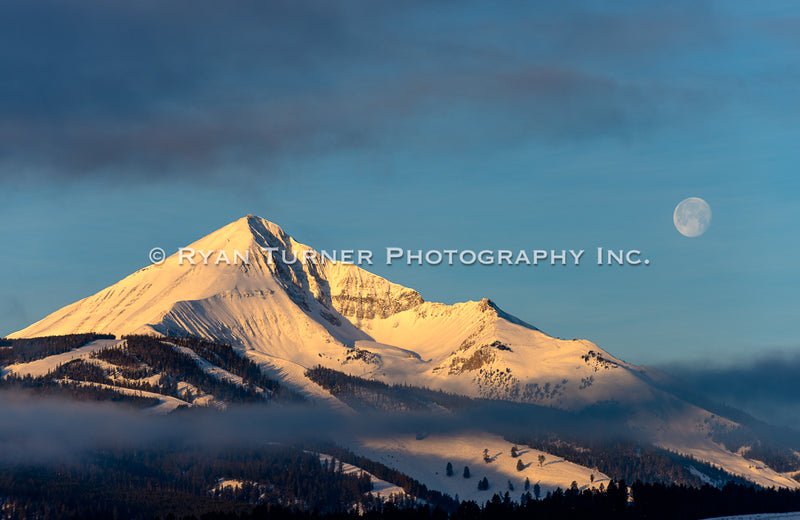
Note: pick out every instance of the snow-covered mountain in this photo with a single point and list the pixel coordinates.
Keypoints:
(292, 316)
(304, 314)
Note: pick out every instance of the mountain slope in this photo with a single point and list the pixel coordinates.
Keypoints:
(425, 459)
(284, 307)
(471, 348)
(291, 316)
(343, 317)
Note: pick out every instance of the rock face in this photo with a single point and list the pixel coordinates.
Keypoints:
(358, 294)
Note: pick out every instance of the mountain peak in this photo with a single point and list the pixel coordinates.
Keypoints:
(245, 232)
(486, 303)
(290, 316)
(258, 225)
(254, 297)
(262, 242)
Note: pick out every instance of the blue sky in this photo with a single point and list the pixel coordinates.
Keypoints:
(463, 125)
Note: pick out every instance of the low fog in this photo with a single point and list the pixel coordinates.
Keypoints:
(765, 387)
(37, 430)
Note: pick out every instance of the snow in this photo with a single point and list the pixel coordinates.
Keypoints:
(292, 318)
(42, 367)
(256, 305)
(293, 376)
(444, 339)
(165, 405)
(380, 488)
(705, 479)
(113, 373)
(210, 368)
(765, 516)
(708, 451)
(426, 459)
(223, 483)
(289, 318)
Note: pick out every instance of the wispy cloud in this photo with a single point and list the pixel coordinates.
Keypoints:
(148, 90)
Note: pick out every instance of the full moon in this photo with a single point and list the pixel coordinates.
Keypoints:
(692, 217)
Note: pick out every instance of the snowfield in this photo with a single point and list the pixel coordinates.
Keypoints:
(210, 368)
(716, 455)
(380, 488)
(165, 405)
(426, 459)
(42, 367)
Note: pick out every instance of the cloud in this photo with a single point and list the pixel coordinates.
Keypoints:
(148, 90)
(42, 430)
(765, 386)
(14, 310)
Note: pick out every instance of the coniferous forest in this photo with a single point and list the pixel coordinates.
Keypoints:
(186, 478)
(291, 483)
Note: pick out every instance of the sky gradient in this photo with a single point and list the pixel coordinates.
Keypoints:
(451, 125)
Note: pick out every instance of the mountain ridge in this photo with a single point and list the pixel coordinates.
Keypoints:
(341, 316)
(292, 316)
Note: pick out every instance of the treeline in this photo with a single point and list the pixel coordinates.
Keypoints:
(411, 486)
(780, 455)
(124, 362)
(145, 483)
(80, 370)
(164, 359)
(49, 387)
(650, 502)
(30, 349)
(133, 365)
(630, 461)
(647, 502)
(368, 394)
(224, 356)
(662, 502)
(781, 460)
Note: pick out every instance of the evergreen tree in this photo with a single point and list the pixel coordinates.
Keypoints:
(537, 491)
(449, 470)
(514, 451)
(466, 471)
(527, 484)
(520, 465)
